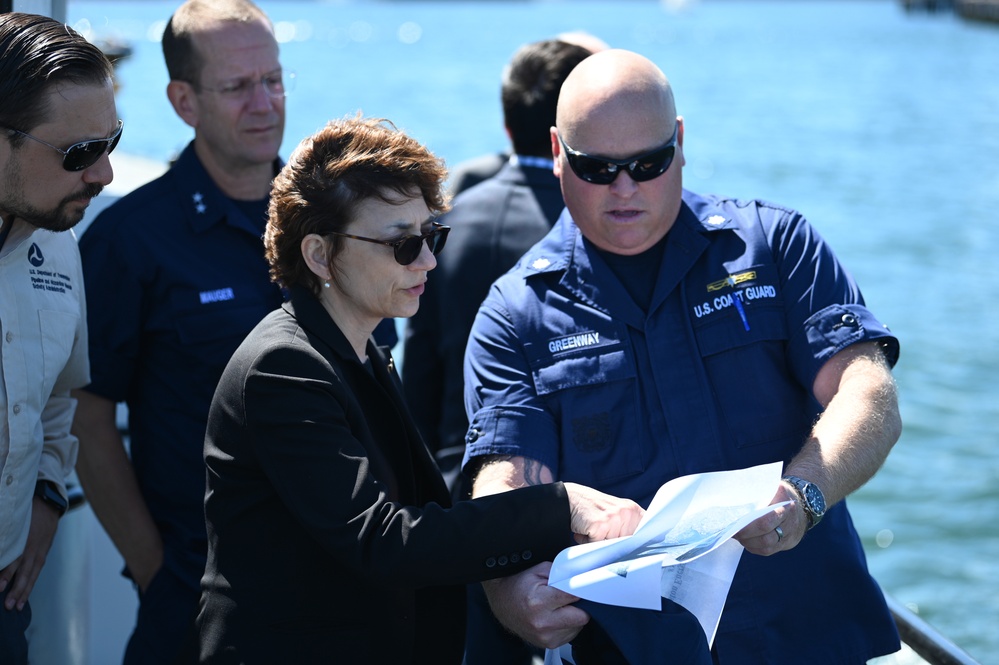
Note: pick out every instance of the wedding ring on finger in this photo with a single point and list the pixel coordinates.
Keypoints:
(780, 533)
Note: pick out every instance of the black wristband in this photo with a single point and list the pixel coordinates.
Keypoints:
(47, 491)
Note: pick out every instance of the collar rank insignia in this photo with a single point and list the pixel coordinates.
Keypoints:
(541, 264)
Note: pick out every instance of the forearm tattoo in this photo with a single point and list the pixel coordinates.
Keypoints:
(532, 472)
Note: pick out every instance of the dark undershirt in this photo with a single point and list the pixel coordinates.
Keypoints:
(638, 273)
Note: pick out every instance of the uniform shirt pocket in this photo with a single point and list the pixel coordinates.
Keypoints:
(214, 322)
(744, 351)
(58, 334)
(593, 394)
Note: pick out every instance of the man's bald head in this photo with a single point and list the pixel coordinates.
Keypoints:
(612, 84)
(617, 105)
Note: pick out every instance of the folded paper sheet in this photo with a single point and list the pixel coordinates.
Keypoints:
(682, 550)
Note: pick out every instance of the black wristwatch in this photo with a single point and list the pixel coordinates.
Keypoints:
(811, 497)
(47, 491)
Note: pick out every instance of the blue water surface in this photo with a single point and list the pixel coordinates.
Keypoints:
(881, 126)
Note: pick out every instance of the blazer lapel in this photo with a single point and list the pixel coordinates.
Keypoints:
(395, 433)
(429, 482)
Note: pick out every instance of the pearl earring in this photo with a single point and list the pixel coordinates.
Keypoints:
(326, 285)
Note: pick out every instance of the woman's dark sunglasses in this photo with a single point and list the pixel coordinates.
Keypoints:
(84, 154)
(603, 171)
(408, 249)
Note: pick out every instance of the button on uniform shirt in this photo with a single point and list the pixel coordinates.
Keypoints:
(43, 355)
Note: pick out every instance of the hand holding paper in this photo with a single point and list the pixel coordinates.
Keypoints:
(597, 516)
(689, 518)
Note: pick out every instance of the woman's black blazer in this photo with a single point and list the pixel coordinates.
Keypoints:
(330, 535)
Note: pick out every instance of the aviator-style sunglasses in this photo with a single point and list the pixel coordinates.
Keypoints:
(80, 155)
(407, 249)
(603, 171)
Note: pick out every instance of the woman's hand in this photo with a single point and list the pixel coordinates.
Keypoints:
(599, 516)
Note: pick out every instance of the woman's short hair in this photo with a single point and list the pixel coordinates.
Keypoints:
(329, 174)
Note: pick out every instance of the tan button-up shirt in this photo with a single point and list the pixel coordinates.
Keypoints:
(43, 354)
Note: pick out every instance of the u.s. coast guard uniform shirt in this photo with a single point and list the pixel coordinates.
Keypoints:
(43, 355)
(563, 367)
(176, 275)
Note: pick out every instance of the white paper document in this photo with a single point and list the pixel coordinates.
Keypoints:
(682, 549)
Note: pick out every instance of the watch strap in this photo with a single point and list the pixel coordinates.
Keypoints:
(799, 485)
(47, 491)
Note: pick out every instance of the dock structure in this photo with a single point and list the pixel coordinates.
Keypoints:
(978, 10)
(928, 5)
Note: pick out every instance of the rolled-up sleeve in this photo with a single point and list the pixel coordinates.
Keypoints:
(506, 416)
(825, 310)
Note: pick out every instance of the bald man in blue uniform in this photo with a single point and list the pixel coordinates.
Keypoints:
(655, 333)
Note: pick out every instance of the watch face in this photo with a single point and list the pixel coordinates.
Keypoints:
(813, 495)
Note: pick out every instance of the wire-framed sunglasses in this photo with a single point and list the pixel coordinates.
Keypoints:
(80, 155)
(603, 171)
(408, 249)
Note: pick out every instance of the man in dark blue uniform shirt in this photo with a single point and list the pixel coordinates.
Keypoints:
(655, 333)
(492, 225)
(175, 278)
(471, 172)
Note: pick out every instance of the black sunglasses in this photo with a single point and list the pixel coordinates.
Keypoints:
(407, 249)
(603, 171)
(84, 154)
